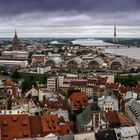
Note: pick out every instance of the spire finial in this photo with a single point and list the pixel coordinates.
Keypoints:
(115, 33)
(15, 33)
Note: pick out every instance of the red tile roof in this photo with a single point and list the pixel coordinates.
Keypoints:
(78, 100)
(14, 89)
(112, 85)
(8, 83)
(52, 124)
(21, 126)
(102, 80)
(14, 126)
(54, 104)
(35, 126)
(112, 117)
(122, 119)
(124, 89)
(39, 57)
(79, 83)
(65, 129)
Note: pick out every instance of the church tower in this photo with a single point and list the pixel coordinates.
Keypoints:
(16, 43)
(115, 35)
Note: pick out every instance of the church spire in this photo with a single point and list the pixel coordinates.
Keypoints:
(15, 34)
(16, 42)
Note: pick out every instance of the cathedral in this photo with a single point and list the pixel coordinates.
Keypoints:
(16, 43)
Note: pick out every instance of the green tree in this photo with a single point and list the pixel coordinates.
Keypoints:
(30, 55)
(16, 76)
(27, 84)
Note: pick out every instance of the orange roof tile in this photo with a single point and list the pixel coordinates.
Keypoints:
(35, 126)
(8, 83)
(79, 100)
(14, 126)
(112, 117)
(50, 124)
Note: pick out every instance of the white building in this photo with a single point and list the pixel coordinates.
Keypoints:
(130, 95)
(85, 136)
(16, 54)
(108, 103)
(42, 70)
(21, 63)
(35, 93)
(52, 84)
(127, 133)
(13, 112)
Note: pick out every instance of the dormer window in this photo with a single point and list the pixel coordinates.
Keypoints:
(5, 123)
(78, 100)
(25, 134)
(50, 127)
(14, 118)
(24, 123)
(5, 135)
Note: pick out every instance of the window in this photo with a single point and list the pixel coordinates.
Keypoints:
(25, 134)
(24, 123)
(5, 123)
(5, 135)
(14, 118)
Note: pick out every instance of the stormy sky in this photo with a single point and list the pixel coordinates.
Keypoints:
(69, 18)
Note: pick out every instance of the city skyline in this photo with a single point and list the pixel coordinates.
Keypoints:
(69, 18)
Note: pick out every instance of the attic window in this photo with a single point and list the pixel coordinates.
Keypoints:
(14, 118)
(25, 134)
(78, 100)
(46, 120)
(50, 127)
(5, 123)
(24, 123)
(54, 126)
(5, 135)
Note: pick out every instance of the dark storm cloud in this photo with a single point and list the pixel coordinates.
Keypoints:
(69, 17)
(14, 7)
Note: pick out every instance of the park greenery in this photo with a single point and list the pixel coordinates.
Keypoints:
(129, 80)
(28, 80)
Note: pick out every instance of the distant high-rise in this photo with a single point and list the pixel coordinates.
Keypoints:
(115, 35)
(16, 43)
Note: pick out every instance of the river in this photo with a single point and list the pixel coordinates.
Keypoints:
(132, 52)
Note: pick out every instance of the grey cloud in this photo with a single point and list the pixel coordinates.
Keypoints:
(14, 7)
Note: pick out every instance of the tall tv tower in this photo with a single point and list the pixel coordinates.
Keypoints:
(115, 34)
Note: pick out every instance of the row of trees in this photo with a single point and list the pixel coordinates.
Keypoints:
(130, 80)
